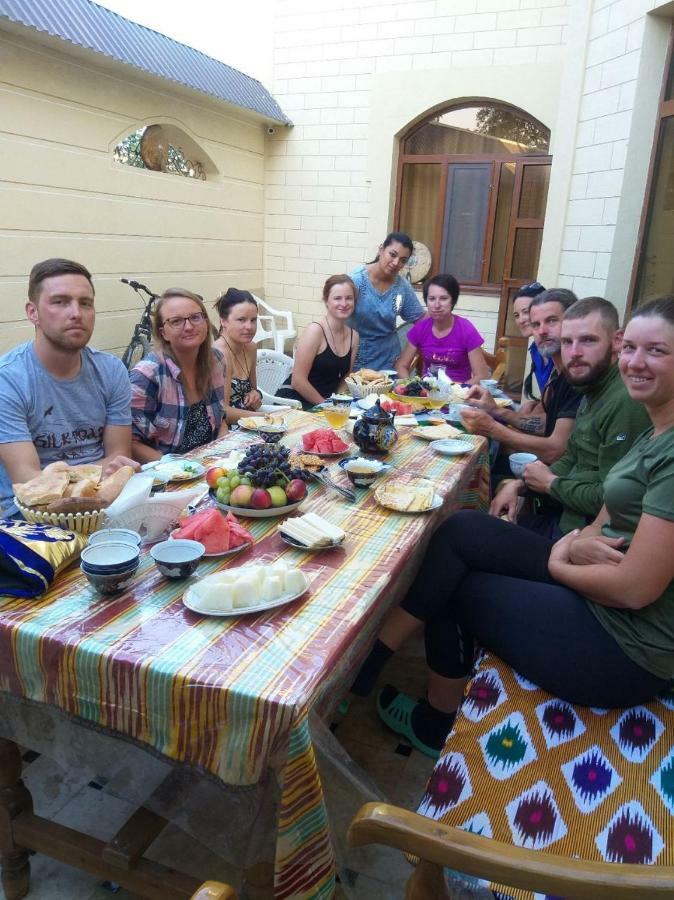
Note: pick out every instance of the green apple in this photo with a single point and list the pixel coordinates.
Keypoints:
(278, 496)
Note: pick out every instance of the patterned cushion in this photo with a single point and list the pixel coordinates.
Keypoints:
(531, 770)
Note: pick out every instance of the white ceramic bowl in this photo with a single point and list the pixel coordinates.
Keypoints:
(119, 535)
(519, 460)
(106, 558)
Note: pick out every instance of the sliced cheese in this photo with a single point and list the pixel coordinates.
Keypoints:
(312, 530)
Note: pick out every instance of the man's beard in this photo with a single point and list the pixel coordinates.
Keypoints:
(591, 375)
(550, 349)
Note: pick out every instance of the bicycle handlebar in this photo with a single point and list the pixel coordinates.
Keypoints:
(137, 286)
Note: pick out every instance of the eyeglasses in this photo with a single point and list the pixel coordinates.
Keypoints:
(177, 322)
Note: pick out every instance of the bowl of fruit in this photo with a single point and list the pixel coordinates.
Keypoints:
(264, 483)
(420, 393)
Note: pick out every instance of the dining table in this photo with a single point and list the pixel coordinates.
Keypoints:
(231, 696)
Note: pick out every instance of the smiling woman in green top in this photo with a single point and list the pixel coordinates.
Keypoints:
(590, 619)
(623, 561)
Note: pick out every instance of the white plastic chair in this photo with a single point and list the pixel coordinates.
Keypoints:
(267, 329)
(271, 371)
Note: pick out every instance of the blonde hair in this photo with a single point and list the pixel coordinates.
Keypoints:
(205, 358)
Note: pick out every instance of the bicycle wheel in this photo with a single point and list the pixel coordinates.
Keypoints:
(138, 348)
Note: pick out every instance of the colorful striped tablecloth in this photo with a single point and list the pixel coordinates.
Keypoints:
(232, 695)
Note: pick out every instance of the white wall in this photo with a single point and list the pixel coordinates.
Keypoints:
(63, 194)
(351, 75)
(625, 61)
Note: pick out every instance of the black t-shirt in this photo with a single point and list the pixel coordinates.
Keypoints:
(560, 401)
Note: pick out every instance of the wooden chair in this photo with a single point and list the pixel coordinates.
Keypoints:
(534, 793)
(439, 846)
(498, 361)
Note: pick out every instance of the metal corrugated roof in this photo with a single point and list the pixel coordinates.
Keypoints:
(91, 26)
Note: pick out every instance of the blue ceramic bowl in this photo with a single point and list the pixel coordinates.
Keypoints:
(112, 582)
(109, 557)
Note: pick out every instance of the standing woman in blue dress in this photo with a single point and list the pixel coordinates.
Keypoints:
(383, 295)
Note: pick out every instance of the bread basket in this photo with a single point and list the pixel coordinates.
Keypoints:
(82, 523)
(358, 391)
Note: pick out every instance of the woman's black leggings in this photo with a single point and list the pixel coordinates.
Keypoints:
(484, 580)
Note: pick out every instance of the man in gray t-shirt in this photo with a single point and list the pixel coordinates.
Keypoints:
(59, 399)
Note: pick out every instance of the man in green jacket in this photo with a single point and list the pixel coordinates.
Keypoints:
(569, 493)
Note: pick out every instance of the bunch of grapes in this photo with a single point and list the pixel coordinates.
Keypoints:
(268, 464)
(415, 386)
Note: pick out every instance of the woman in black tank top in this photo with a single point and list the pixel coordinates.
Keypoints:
(326, 350)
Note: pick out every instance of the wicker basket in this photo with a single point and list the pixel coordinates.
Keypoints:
(82, 523)
(358, 391)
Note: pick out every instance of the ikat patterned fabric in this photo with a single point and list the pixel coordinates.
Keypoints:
(528, 769)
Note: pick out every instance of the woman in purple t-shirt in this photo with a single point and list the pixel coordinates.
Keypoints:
(444, 340)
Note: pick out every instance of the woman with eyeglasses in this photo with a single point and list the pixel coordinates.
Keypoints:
(383, 295)
(238, 323)
(177, 391)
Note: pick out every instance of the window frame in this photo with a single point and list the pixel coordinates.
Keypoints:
(665, 111)
(483, 286)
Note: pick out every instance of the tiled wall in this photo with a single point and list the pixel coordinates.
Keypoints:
(614, 55)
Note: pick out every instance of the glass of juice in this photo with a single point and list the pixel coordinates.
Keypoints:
(337, 413)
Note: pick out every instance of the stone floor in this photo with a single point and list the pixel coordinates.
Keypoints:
(360, 760)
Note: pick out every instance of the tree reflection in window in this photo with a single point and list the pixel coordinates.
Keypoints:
(149, 148)
(457, 179)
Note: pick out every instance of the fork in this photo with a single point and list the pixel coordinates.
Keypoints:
(323, 478)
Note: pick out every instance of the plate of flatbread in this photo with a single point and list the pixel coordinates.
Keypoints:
(408, 497)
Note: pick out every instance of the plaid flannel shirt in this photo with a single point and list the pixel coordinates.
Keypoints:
(158, 403)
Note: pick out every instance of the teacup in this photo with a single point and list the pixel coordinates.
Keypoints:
(177, 558)
(519, 460)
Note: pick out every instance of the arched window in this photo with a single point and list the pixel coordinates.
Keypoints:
(472, 187)
(164, 148)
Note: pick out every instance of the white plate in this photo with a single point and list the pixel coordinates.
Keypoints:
(257, 513)
(193, 603)
(451, 447)
(437, 502)
(232, 552)
(310, 549)
(254, 423)
(171, 470)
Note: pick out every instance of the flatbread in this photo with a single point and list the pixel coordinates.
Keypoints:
(438, 432)
(43, 489)
(412, 496)
(86, 472)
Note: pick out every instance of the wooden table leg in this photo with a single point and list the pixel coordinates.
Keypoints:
(14, 798)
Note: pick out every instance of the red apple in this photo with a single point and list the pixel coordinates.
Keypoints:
(260, 499)
(213, 474)
(241, 496)
(400, 389)
(296, 490)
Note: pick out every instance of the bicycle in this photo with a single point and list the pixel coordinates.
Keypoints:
(141, 340)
